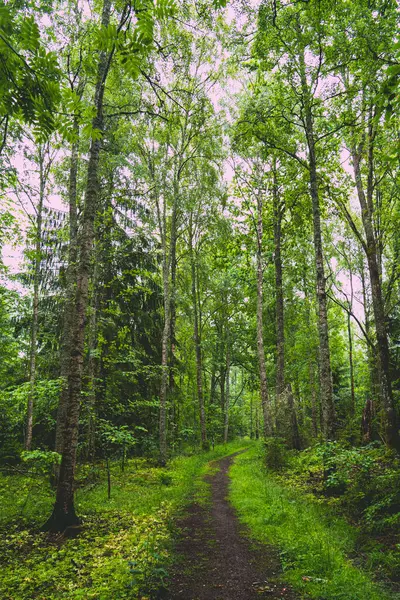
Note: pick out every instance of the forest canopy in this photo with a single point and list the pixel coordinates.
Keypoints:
(199, 224)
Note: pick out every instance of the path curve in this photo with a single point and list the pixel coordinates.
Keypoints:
(217, 561)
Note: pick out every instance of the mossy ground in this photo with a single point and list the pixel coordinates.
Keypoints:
(125, 547)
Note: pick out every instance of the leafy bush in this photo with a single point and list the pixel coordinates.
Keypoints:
(364, 484)
(41, 462)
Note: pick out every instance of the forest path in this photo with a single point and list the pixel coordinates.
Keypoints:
(217, 561)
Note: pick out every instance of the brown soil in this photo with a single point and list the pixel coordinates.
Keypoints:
(217, 561)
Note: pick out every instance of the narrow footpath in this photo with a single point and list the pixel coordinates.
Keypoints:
(216, 559)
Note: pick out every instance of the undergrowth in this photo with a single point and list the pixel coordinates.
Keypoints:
(314, 542)
(125, 547)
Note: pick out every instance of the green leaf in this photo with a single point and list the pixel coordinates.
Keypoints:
(30, 36)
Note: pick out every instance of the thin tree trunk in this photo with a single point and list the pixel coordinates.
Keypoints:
(222, 381)
(371, 352)
(314, 405)
(295, 435)
(35, 307)
(92, 368)
(325, 372)
(280, 328)
(197, 341)
(251, 417)
(228, 387)
(257, 424)
(171, 384)
(390, 416)
(260, 337)
(351, 366)
(64, 513)
(165, 343)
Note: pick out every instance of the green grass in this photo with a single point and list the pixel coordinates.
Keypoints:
(126, 543)
(314, 544)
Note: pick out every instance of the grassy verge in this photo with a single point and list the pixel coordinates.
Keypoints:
(126, 541)
(314, 543)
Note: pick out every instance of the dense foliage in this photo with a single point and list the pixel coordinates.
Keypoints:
(199, 228)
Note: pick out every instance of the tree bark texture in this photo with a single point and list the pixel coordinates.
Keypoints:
(64, 513)
(69, 310)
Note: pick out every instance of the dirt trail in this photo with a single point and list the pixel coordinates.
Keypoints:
(217, 561)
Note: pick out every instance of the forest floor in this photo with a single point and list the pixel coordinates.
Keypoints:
(215, 526)
(216, 561)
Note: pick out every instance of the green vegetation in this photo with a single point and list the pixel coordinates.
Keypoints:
(199, 234)
(125, 545)
(363, 484)
(314, 542)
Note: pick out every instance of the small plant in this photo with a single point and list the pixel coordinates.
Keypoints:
(166, 479)
(40, 462)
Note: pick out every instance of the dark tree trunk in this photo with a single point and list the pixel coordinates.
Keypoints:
(367, 429)
(64, 513)
(92, 369)
(69, 310)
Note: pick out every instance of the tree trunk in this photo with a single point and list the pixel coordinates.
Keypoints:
(197, 341)
(92, 368)
(260, 336)
(228, 387)
(64, 513)
(294, 427)
(390, 416)
(69, 309)
(367, 429)
(280, 329)
(371, 352)
(315, 417)
(171, 383)
(169, 292)
(325, 372)
(351, 367)
(257, 424)
(251, 417)
(35, 307)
